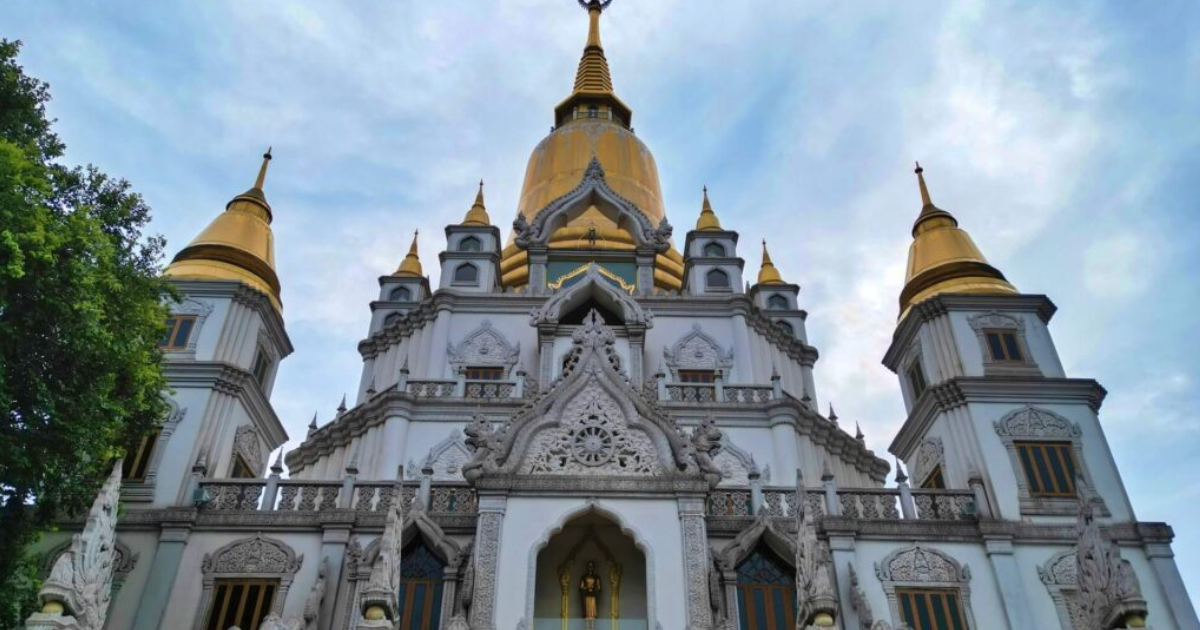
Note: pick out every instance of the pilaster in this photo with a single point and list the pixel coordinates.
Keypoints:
(695, 562)
(157, 593)
(487, 560)
(1008, 579)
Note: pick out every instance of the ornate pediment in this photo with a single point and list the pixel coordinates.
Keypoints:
(1031, 422)
(698, 350)
(247, 444)
(592, 189)
(930, 455)
(919, 564)
(737, 465)
(257, 555)
(592, 422)
(484, 346)
(593, 284)
(445, 459)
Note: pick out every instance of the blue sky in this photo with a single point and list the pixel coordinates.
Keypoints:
(1063, 135)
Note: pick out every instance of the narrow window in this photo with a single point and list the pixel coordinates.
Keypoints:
(1003, 346)
(931, 609)
(935, 480)
(778, 303)
(593, 111)
(1049, 468)
(137, 460)
(485, 373)
(696, 376)
(786, 327)
(179, 330)
(714, 250)
(916, 379)
(241, 602)
(466, 273)
(470, 244)
(391, 320)
(262, 366)
(400, 294)
(241, 470)
(717, 279)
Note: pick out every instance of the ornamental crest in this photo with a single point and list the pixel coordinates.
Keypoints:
(257, 555)
(1034, 422)
(446, 459)
(484, 346)
(247, 445)
(592, 439)
(929, 456)
(921, 564)
(698, 351)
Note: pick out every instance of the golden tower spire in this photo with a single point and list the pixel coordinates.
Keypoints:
(238, 245)
(944, 259)
(410, 267)
(768, 274)
(593, 96)
(477, 215)
(708, 221)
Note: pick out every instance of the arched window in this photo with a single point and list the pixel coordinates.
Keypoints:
(470, 244)
(786, 327)
(466, 273)
(716, 279)
(778, 303)
(400, 294)
(714, 250)
(766, 592)
(391, 320)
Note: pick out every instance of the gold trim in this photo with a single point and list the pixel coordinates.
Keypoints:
(557, 284)
(614, 578)
(564, 581)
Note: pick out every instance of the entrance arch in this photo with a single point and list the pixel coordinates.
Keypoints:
(766, 591)
(620, 561)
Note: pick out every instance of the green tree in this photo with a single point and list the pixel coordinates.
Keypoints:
(81, 312)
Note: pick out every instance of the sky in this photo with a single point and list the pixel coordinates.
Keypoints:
(1062, 135)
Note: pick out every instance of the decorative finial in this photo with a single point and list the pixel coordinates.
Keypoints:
(900, 476)
(925, 199)
(411, 265)
(342, 406)
(598, 5)
(858, 434)
(708, 219)
(277, 467)
(832, 414)
(312, 426)
(262, 170)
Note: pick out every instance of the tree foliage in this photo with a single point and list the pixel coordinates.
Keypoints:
(81, 313)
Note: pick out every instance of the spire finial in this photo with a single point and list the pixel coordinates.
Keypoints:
(341, 409)
(411, 265)
(262, 170)
(478, 215)
(900, 476)
(708, 219)
(768, 274)
(925, 200)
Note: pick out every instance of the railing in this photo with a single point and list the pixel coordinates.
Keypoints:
(716, 392)
(432, 389)
(464, 388)
(857, 503)
(291, 495)
(489, 389)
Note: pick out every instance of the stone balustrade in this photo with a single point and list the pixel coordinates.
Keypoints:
(465, 388)
(856, 503)
(291, 495)
(716, 392)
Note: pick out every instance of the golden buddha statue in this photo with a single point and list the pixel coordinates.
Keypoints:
(589, 589)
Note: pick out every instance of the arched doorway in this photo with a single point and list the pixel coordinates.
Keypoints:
(422, 582)
(590, 555)
(766, 592)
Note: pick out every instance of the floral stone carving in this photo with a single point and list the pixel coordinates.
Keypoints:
(484, 346)
(1109, 594)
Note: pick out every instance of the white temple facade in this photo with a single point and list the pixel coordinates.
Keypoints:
(597, 424)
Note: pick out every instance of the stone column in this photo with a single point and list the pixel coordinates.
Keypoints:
(538, 257)
(1162, 559)
(695, 562)
(645, 271)
(637, 343)
(546, 354)
(1008, 578)
(335, 535)
(487, 561)
(783, 449)
(841, 547)
(157, 594)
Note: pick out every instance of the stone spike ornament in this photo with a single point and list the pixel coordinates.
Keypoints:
(77, 593)
(815, 594)
(379, 601)
(312, 607)
(1109, 594)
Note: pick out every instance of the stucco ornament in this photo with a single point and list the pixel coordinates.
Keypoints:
(706, 441)
(591, 283)
(929, 456)
(484, 346)
(446, 459)
(307, 620)
(591, 422)
(1036, 423)
(378, 601)
(77, 592)
(920, 564)
(698, 351)
(1109, 594)
(737, 465)
(815, 594)
(247, 445)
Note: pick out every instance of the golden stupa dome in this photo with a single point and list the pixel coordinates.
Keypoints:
(410, 267)
(477, 215)
(708, 221)
(944, 259)
(238, 245)
(768, 274)
(591, 123)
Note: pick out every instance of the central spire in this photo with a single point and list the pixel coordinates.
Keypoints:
(593, 96)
